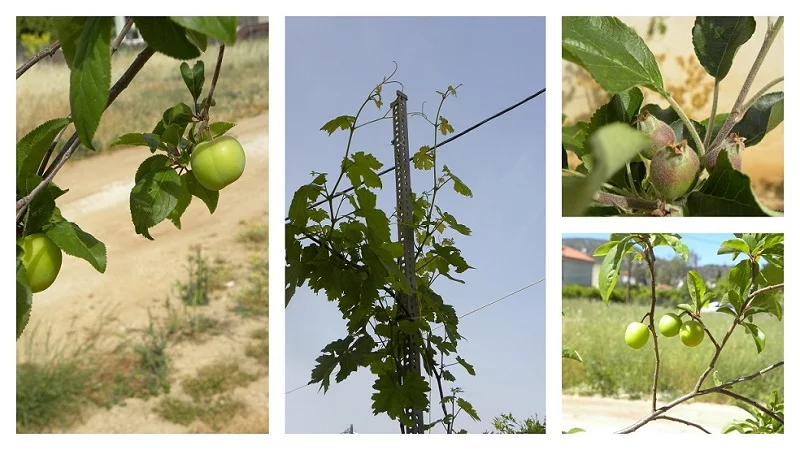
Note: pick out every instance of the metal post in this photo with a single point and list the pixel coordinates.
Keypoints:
(405, 232)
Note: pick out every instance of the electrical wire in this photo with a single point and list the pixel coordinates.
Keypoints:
(441, 144)
(460, 317)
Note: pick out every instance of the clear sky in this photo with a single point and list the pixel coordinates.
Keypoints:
(331, 66)
(704, 244)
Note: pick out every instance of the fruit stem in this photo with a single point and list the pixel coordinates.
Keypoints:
(701, 150)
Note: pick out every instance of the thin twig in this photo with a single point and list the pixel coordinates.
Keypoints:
(763, 91)
(754, 294)
(708, 332)
(685, 422)
(46, 158)
(72, 143)
(48, 51)
(752, 402)
(626, 202)
(650, 257)
(713, 116)
(214, 79)
(121, 36)
(737, 112)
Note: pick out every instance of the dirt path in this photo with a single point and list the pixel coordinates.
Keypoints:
(607, 415)
(142, 273)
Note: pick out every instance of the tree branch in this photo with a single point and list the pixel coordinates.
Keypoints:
(752, 402)
(48, 51)
(214, 79)
(754, 294)
(72, 143)
(650, 257)
(737, 112)
(685, 422)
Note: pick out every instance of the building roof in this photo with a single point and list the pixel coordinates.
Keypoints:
(571, 253)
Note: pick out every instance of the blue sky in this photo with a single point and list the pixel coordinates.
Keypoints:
(331, 66)
(704, 244)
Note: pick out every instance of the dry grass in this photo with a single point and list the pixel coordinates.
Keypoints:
(242, 91)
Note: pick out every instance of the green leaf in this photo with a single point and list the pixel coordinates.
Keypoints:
(761, 118)
(194, 77)
(197, 39)
(210, 198)
(152, 199)
(444, 126)
(686, 307)
(616, 57)
(613, 146)
(179, 114)
(666, 115)
(675, 242)
(150, 164)
(24, 298)
(609, 269)
(574, 137)
(622, 107)
(220, 28)
(341, 123)
(394, 399)
(453, 223)
(41, 208)
(131, 140)
(727, 192)
(734, 246)
(759, 338)
(70, 238)
(739, 277)
(69, 30)
(361, 169)
(468, 367)
(423, 158)
(90, 77)
(298, 209)
(167, 37)
(458, 185)
(568, 353)
(468, 408)
(32, 147)
(682, 132)
(697, 289)
(717, 39)
(184, 200)
(220, 128)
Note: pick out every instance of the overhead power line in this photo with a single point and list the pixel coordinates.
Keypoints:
(460, 317)
(444, 142)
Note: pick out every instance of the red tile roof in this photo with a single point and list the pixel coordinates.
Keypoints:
(571, 253)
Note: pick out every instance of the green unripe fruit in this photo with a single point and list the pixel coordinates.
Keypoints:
(692, 334)
(41, 259)
(734, 145)
(673, 170)
(669, 325)
(218, 162)
(660, 133)
(636, 335)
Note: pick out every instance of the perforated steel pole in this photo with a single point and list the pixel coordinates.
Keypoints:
(405, 232)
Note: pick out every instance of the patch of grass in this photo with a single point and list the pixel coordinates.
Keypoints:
(253, 233)
(50, 395)
(153, 364)
(253, 299)
(211, 402)
(611, 368)
(258, 349)
(242, 91)
(203, 278)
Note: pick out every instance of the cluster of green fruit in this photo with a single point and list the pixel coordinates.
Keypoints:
(215, 163)
(692, 333)
(674, 167)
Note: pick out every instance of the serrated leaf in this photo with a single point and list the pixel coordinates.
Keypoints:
(423, 158)
(219, 128)
(568, 353)
(759, 338)
(394, 399)
(24, 299)
(573, 138)
(444, 126)
(220, 28)
(761, 118)
(613, 146)
(32, 147)
(717, 39)
(468, 367)
(68, 30)
(194, 77)
(468, 408)
(90, 77)
(167, 37)
(41, 208)
(150, 164)
(210, 198)
(727, 192)
(361, 168)
(152, 199)
(179, 114)
(458, 185)
(184, 200)
(298, 209)
(616, 57)
(70, 238)
(130, 139)
(340, 123)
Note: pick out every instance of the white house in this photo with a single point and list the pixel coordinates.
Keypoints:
(578, 268)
